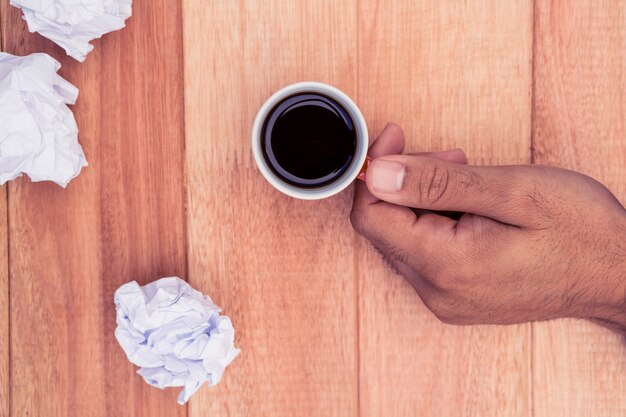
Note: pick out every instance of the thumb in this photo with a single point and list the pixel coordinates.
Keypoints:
(433, 184)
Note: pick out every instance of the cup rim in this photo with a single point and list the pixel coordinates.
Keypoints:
(361, 147)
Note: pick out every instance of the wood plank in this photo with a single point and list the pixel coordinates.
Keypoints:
(121, 219)
(580, 123)
(281, 268)
(5, 342)
(5, 367)
(453, 74)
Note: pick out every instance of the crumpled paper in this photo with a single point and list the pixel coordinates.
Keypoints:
(38, 132)
(72, 24)
(174, 333)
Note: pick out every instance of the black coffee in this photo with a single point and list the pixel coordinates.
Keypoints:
(309, 140)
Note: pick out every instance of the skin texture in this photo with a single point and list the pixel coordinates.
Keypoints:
(531, 243)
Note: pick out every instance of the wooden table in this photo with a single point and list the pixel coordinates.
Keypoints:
(165, 110)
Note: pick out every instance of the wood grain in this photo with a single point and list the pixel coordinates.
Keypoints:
(580, 123)
(121, 219)
(453, 74)
(5, 306)
(283, 269)
(5, 341)
(5, 333)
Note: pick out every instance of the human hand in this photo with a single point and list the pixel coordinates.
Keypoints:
(535, 242)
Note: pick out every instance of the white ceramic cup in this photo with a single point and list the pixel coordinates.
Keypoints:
(361, 141)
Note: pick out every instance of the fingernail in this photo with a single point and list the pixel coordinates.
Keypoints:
(387, 176)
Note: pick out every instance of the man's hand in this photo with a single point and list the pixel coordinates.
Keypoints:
(534, 243)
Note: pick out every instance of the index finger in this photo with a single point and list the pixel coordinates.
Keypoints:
(389, 142)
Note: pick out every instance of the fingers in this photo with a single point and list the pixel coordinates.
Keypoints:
(389, 142)
(435, 184)
(388, 225)
(404, 237)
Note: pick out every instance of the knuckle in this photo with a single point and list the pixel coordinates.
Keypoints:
(434, 179)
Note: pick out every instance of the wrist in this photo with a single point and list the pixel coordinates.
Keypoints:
(610, 311)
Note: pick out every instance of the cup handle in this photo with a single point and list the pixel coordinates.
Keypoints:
(363, 170)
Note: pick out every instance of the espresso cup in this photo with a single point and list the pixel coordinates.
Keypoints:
(309, 140)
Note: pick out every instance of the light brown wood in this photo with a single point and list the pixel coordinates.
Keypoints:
(453, 74)
(5, 341)
(580, 123)
(121, 219)
(282, 268)
(5, 306)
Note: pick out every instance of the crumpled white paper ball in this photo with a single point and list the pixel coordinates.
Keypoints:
(174, 333)
(38, 132)
(72, 24)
